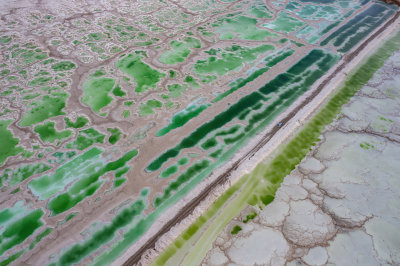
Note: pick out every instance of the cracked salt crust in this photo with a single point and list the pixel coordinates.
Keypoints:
(307, 225)
(340, 206)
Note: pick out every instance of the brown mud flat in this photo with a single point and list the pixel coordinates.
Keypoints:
(223, 178)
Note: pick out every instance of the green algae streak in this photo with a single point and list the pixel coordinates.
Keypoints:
(182, 179)
(87, 185)
(169, 171)
(16, 232)
(182, 117)
(347, 36)
(270, 61)
(285, 89)
(12, 258)
(46, 186)
(105, 234)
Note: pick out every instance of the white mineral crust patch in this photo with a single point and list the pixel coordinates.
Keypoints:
(353, 248)
(274, 214)
(262, 246)
(307, 225)
(316, 256)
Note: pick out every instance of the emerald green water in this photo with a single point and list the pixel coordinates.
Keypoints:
(169, 171)
(294, 82)
(243, 27)
(87, 185)
(174, 168)
(183, 178)
(8, 144)
(18, 175)
(48, 133)
(39, 81)
(104, 235)
(27, 54)
(45, 108)
(142, 225)
(347, 36)
(99, 73)
(40, 237)
(192, 82)
(116, 134)
(86, 138)
(148, 107)
(145, 77)
(126, 113)
(17, 227)
(183, 184)
(5, 39)
(175, 91)
(250, 217)
(212, 142)
(63, 66)
(117, 91)
(231, 58)
(120, 172)
(270, 61)
(259, 10)
(97, 92)
(236, 229)
(182, 117)
(179, 51)
(61, 157)
(305, 77)
(119, 182)
(128, 103)
(46, 186)
(183, 161)
(39, 86)
(284, 23)
(81, 121)
(11, 258)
